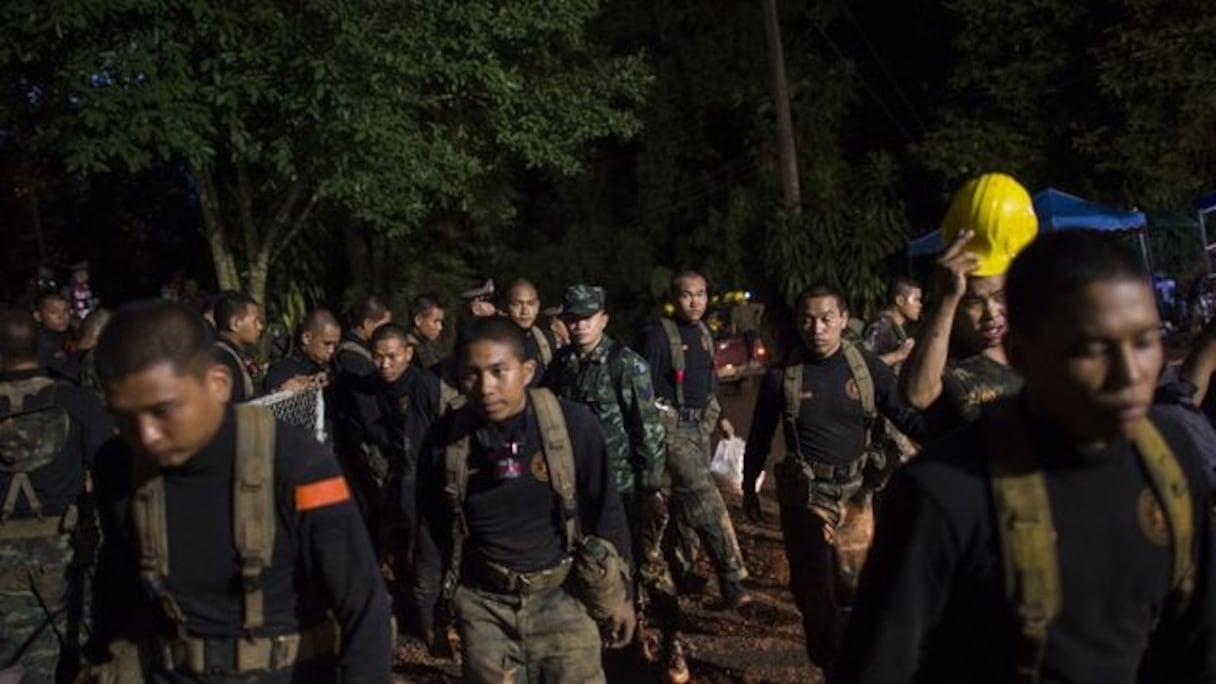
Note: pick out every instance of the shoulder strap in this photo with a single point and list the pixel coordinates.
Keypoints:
(559, 457)
(18, 393)
(1174, 493)
(1027, 534)
(677, 357)
(455, 487)
(240, 364)
(355, 348)
(152, 533)
(863, 380)
(542, 344)
(253, 518)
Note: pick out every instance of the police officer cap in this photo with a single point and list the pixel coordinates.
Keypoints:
(486, 290)
(583, 300)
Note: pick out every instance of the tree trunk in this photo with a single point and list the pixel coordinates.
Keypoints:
(259, 274)
(790, 190)
(226, 274)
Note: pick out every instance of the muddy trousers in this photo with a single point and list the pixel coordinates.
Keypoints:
(542, 637)
(40, 608)
(697, 506)
(825, 562)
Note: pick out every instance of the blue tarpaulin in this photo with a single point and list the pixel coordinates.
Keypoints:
(1056, 210)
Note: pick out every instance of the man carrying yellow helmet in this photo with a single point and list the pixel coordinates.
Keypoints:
(959, 357)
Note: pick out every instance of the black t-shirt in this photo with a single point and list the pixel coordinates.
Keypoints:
(322, 556)
(357, 411)
(698, 364)
(287, 368)
(933, 607)
(58, 483)
(516, 522)
(407, 408)
(831, 423)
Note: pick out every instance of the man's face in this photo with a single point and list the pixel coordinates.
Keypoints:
(523, 305)
(586, 331)
(392, 357)
(430, 324)
(823, 325)
(168, 416)
(691, 298)
(1093, 367)
(979, 323)
(495, 379)
(319, 345)
(247, 329)
(909, 304)
(54, 314)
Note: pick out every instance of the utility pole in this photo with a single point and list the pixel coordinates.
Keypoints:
(790, 190)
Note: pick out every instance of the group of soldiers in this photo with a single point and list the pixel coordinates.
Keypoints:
(1006, 486)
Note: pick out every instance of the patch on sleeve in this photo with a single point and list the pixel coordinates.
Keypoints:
(322, 493)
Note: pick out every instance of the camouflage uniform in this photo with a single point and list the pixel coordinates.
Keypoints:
(883, 335)
(614, 382)
(33, 583)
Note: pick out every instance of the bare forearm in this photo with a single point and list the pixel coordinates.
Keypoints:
(921, 378)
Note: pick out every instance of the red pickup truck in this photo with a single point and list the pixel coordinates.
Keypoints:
(733, 362)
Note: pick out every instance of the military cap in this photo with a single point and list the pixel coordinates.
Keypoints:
(486, 290)
(583, 300)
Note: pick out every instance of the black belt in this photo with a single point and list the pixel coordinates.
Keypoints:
(683, 415)
(835, 473)
(496, 577)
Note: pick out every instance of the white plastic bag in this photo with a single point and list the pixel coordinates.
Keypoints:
(727, 464)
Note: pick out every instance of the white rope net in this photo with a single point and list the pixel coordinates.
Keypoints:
(305, 408)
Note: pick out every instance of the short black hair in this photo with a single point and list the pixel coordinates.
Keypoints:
(822, 290)
(391, 331)
(18, 337)
(46, 297)
(145, 333)
(424, 304)
(1059, 264)
(315, 321)
(901, 286)
(228, 305)
(369, 307)
(495, 329)
(674, 286)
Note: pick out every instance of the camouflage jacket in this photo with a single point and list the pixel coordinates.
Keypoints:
(614, 382)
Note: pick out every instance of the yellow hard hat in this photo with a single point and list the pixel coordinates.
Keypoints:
(1000, 213)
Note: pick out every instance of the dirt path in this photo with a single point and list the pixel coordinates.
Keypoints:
(764, 644)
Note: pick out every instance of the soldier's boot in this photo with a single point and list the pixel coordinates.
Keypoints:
(675, 665)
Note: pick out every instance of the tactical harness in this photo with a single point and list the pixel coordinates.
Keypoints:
(30, 437)
(1028, 535)
(676, 343)
(792, 386)
(245, 380)
(542, 345)
(253, 520)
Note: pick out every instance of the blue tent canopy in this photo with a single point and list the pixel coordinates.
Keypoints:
(1056, 210)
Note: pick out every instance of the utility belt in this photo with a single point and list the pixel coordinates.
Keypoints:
(239, 655)
(828, 472)
(498, 578)
(681, 415)
(818, 486)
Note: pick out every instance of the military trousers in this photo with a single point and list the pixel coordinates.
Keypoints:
(546, 636)
(825, 565)
(653, 585)
(40, 612)
(697, 505)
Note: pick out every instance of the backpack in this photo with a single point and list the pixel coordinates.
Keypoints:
(354, 348)
(542, 345)
(253, 516)
(559, 460)
(1027, 534)
(31, 436)
(246, 381)
(676, 344)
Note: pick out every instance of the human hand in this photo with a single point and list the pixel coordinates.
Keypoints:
(624, 622)
(955, 264)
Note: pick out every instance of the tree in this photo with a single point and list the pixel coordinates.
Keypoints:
(396, 113)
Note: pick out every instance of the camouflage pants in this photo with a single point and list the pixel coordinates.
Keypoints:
(825, 564)
(541, 637)
(697, 505)
(33, 587)
(653, 586)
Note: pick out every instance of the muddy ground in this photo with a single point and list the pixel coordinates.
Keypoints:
(763, 643)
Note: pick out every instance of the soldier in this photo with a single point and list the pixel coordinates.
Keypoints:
(529, 482)
(426, 315)
(54, 317)
(830, 396)
(1066, 535)
(317, 338)
(889, 336)
(49, 433)
(614, 382)
(523, 307)
(232, 550)
(680, 355)
(238, 321)
(959, 357)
